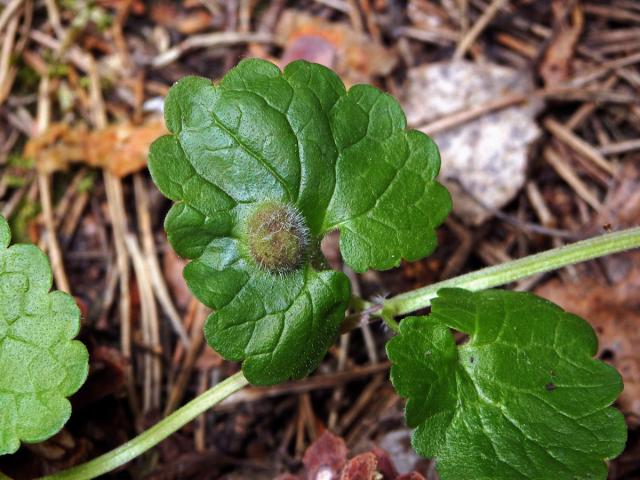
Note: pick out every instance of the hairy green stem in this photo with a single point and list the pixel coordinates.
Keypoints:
(398, 305)
(391, 322)
(517, 269)
(161, 430)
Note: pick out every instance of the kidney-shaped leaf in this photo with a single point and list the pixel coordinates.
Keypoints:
(40, 363)
(319, 158)
(523, 398)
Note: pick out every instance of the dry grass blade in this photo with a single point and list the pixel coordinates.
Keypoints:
(580, 146)
(478, 27)
(210, 40)
(150, 327)
(560, 166)
(8, 12)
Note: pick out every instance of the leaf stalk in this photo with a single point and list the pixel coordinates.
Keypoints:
(151, 437)
(496, 275)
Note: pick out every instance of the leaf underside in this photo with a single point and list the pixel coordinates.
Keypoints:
(343, 159)
(40, 363)
(523, 398)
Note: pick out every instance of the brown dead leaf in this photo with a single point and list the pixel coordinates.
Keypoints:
(355, 56)
(121, 148)
(312, 48)
(326, 458)
(556, 62)
(374, 465)
(174, 17)
(361, 467)
(385, 465)
(327, 454)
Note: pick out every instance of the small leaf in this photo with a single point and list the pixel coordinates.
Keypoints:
(40, 363)
(523, 398)
(281, 328)
(261, 167)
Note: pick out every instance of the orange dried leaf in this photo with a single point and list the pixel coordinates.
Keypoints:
(556, 62)
(186, 22)
(353, 55)
(121, 148)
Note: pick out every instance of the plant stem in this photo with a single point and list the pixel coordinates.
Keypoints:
(150, 438)
(390, 321)
(517, 269)
(398, 305)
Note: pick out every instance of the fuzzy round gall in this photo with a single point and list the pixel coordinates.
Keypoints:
(278, 237)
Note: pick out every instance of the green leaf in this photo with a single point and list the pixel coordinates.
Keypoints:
(296, 146)
(523, 398)
(40, 363)
(282, 328)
